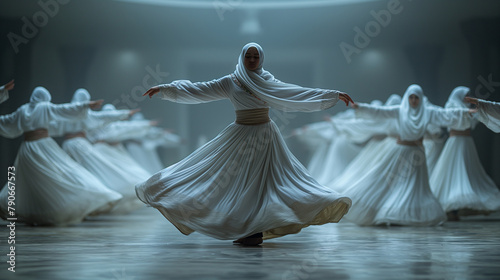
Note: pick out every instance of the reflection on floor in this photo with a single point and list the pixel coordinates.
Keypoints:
(143, 245)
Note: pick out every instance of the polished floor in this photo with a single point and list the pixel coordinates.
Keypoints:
(143, 245)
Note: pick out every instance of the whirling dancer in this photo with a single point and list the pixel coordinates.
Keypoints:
(82, 151)
(395, 190)
(380, 136)
(488, 112)
(51, 188)
(244, 184)
(144, 149)
(459, 180)
(4, 91)
(108, 142)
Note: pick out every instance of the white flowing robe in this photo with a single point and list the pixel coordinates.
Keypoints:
(459, 180)
(243, 181)
(4, 94)
(395, 189)
(489, 114)
(51, 188)
(144, 149)
(104, 168)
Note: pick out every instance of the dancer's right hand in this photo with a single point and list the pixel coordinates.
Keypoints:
(152, 91)
(9, 85)
(133, 112)
(354, 105)
(471, 100)
(96, 104)
(346, 98)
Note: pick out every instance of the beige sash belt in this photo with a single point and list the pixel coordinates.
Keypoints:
(74, 135)
(36, 134)
(410, 143)
(459, 132)
(252, 116)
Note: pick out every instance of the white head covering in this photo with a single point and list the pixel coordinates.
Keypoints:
(413, 121)
(394, 99)
(81, 95)
(40, 94)
(456, 100)
(283, 96)
(108, 107)
(137, 117)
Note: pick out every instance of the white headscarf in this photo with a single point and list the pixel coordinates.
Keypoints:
(81, 95)
(394, 99)
(108, 107)
(283, 96)
(40, 94)
(413, 121)
(456, 100)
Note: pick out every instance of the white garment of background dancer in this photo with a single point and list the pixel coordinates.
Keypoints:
(4, 94)
(380, 137)
(489, 114)
(434, 140)
(107, 141)
(143, 149)
(51, 188)
(317, 138)
(459, 180)
(395, 190)
(82, 151)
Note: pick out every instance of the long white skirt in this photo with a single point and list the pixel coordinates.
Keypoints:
(366, 158)
(242, 182)
(110, 172)
(459, 180)
(147, 158)
(52, 189)
(433, 149)
(395, 190)
(339, 154)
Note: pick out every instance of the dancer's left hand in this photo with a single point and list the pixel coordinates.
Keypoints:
(152, 91)
(96, 104)
(10, 85)
(471, 100)
(346, 98)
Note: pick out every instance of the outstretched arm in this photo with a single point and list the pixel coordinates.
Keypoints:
(488, 113)
(346, 98)
(187, 92)
(4, 91)
(364, 110)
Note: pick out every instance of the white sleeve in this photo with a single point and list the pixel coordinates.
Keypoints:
(4, 94)
(9, 126)
(377, 112)
(187, 92)
(489, 114)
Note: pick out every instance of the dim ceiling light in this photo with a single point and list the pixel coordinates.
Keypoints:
(255, 4)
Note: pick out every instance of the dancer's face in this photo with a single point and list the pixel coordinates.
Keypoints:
(414, 101)
(252, 59)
